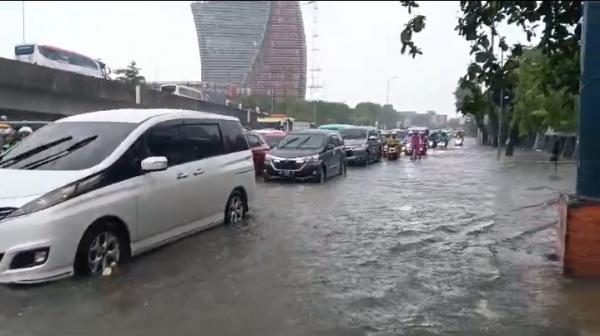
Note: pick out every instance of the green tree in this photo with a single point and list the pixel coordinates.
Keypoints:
(130, 74)
(559, 44)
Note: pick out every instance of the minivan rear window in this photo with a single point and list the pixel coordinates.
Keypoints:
(67, 146)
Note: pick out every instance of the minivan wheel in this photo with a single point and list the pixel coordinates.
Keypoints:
(101, 247)
(236, 208)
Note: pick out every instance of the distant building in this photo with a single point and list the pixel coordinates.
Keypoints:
(255, 45)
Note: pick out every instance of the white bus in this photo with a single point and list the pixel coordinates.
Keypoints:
(60, 59)
(183, 91)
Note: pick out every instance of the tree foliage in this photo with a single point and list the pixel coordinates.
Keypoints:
(365, 113)
(542, 85)
(130, 74)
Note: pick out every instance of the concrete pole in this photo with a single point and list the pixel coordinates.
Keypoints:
(387, 90)
(501, 112)
(588, 169)
(23, 18)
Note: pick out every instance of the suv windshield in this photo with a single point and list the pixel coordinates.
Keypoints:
(67, 146)
(302, 141)
(353, 133)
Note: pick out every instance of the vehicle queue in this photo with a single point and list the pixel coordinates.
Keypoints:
(318, 154)
(87, 192)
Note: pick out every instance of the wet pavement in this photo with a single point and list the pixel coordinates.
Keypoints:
(457, 243)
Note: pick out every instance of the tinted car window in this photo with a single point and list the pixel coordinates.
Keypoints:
(253, 141)
(336, 141)
(166, 140)
(204, 140)
(67, 146)
(233, 136)
(354, 133)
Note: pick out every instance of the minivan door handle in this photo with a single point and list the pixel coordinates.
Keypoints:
(181, 176)
(198, 171)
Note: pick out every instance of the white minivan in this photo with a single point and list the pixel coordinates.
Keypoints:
(88, 191)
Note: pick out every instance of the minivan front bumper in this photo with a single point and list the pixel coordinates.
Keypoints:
(42, 230)
(309, 171)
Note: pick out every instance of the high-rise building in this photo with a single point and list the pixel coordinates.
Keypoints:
(255, 45)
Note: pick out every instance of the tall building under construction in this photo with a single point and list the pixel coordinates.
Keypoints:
(254, 45)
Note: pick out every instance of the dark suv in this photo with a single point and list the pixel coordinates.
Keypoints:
(363, 144)
(307, 155)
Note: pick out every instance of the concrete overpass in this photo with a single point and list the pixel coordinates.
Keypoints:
(33, 92)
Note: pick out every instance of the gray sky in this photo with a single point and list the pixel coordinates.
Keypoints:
(359, 43)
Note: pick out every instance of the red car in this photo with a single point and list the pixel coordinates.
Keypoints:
(259, 148)
(272, 136)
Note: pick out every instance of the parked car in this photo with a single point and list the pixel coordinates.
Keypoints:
(307, 155)
(272, 136)
(259, 148)
(88, 191)
(363, 144)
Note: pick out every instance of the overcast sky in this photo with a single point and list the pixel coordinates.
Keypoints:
(359, 45)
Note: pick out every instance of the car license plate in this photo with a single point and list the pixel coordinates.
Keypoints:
(286, 173)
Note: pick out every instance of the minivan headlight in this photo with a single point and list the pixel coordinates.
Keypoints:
(312, 158)
(60, 195)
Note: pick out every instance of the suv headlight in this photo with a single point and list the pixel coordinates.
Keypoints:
(60, 195)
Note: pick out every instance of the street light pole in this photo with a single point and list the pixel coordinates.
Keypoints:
(387, 90)
(23, 18)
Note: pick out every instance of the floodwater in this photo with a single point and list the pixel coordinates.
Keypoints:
(457, 243)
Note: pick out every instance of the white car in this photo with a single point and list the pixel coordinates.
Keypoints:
(89, 191)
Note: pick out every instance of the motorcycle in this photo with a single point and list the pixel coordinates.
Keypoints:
(443, 143)
(458, 142)
(393, 153)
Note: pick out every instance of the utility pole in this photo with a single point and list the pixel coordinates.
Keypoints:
(501, 112)
(23, 18)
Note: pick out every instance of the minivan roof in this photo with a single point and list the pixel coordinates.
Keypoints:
(138, 115)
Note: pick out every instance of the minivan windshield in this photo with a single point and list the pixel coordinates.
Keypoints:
(302, 141)
(353, 133)
(67, 146)
(273, 140)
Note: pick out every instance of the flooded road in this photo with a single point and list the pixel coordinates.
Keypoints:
(455, 244)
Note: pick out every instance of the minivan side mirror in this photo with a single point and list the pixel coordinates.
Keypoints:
(154, 163)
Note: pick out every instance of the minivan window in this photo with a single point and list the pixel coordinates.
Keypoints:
(336, 140)
(302, 141)
(233, 136)
(166, 140)
(253, 141)
(353, 133)
(203, 139)
(67, 146)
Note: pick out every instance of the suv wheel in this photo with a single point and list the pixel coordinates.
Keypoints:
(235, 211)
(102, 246)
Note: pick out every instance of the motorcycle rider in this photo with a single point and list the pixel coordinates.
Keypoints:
(415, 143)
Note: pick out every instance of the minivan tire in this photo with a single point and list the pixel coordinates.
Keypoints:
(235, 211)
(104, 238)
